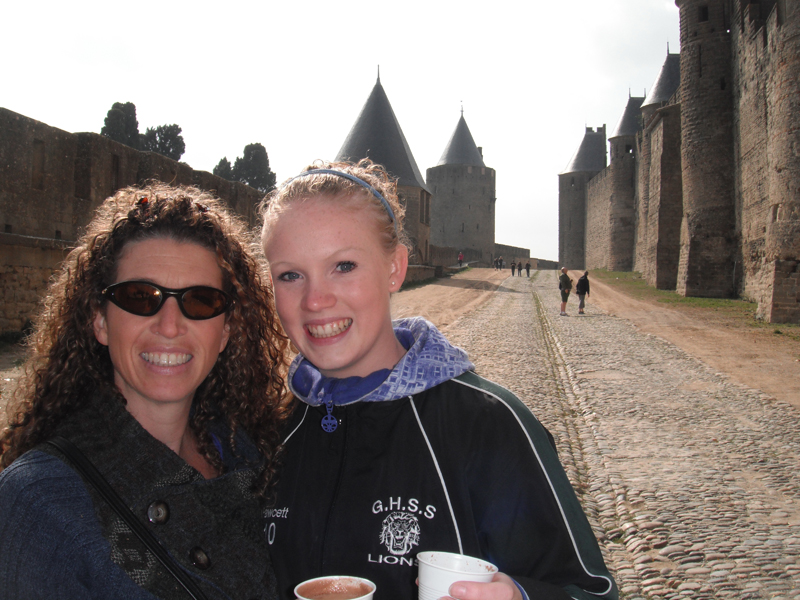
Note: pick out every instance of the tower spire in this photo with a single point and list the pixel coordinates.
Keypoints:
(379, 73)
(462, 108)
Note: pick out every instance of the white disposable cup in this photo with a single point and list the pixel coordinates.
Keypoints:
(439, 570)
(333, 587)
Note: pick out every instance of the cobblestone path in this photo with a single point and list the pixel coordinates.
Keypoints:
(691, 482)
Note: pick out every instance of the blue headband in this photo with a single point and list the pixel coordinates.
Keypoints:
(354, 179)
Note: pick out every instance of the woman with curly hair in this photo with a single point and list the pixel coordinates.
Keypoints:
(157, 357)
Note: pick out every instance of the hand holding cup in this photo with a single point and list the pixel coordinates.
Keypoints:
(439, 570)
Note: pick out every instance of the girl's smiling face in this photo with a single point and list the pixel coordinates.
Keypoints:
(333, 279)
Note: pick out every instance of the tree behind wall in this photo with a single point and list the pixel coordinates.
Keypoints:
(165, 140)
(224, 169)
(121, 124)
(253, 169)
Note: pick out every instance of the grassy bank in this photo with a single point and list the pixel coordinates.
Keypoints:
(735, 311)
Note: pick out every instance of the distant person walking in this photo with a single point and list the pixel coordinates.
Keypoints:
(565, 285)
(460, 259)
(527, 269)
(513, 266)
(582, 289)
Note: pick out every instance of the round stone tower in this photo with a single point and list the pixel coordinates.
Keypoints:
(377, 135)
(782, 243)
(707, 230)
(463, 188)
(621, 212)
(588, 161)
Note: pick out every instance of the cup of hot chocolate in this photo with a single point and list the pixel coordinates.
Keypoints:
(335, 587)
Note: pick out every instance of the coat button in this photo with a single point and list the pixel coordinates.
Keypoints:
(199, 558)
(158, 512)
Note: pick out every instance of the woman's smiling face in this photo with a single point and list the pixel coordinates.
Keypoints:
(333, 279)
(163, 358)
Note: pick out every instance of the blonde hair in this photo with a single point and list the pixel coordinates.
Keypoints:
(344, 191)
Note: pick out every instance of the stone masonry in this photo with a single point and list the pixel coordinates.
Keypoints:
(51, 182)
(717, 184)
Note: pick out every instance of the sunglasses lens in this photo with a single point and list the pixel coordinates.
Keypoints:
(204, 302)
(138, 298)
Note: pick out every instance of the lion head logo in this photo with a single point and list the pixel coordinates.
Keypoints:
(400, 532)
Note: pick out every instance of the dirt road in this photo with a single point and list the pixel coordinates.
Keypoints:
(757, 360)
(445, 300)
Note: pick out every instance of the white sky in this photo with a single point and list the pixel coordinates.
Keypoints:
(295, 75)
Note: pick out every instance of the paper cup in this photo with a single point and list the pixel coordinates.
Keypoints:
(335, 587)
(439, 570)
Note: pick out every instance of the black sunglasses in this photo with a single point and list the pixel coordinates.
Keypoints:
(145, 299)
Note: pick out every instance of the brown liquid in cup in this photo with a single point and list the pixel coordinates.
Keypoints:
(334, 589)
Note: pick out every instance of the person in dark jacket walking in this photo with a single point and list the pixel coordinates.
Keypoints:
(582, 289)
(527, 269)
(395, 445)
(565, 286)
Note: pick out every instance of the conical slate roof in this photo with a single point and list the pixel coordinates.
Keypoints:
(376, 135)
(461, 149)
(591, 154)
(668, 80)
(631, 120)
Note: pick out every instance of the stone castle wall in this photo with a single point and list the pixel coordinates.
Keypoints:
(52, 181)
(661, 221)
(621, 205)
(417, 223)
(707, 162)
(599, 196)
(572, 188)
(511, 253)
(447, 256)
(546, 265)
(463, 212)
(717, 199)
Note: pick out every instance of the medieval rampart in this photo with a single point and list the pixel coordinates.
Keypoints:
(546, 265)
(51, 182)
(717, 172)
(511, 253)
(447, 256)
(599, 195)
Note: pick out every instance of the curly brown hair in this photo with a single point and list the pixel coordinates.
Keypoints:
(66, 364)
(343, 191)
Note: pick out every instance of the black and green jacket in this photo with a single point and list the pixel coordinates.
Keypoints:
(462, 466)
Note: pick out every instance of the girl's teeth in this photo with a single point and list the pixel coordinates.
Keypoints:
(329, 329)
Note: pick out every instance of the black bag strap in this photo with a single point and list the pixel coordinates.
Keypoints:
(90, 474)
